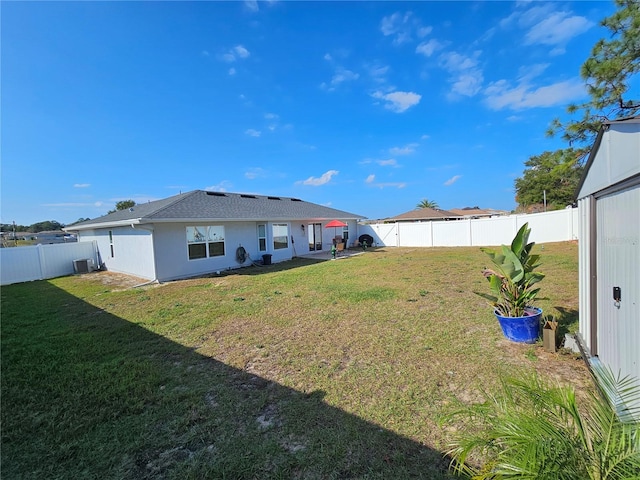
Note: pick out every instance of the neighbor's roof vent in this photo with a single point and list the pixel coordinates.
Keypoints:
(296, 200)
(247, 196)
(274, 198)
(217, 194)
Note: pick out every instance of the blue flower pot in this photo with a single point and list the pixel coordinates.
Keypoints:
(521, 329)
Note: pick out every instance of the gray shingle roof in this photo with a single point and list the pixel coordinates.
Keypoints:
(218, 206)
(423, 214)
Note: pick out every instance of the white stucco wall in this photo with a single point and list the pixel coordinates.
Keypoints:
(172, 256)
(132, 250)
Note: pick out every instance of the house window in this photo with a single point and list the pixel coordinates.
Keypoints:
(262, 237)
(280, 236)
(205, 242)
(111, 242)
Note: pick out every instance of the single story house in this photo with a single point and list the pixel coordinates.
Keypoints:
(609, 249)
(476, 212)
(53, 236)
(201, 232)
(423, 215)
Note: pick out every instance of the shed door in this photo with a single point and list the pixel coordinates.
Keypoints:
(618, 265)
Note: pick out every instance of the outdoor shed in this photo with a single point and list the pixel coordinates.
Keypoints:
(201, 232)
(609, 250)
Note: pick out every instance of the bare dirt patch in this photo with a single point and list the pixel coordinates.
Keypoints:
(119, 281)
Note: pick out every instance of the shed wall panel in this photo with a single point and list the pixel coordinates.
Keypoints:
(618, 265)
(617, 158)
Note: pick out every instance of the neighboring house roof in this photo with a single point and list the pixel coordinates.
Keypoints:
(423, 214)
(477, 212)
(51, 232)
(204, 206)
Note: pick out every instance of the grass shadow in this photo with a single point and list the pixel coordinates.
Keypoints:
(567, 321)
(87, 394)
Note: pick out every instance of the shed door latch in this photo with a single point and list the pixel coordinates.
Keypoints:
(617, 296)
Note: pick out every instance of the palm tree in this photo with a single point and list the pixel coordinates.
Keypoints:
(424, 203)
(534, 430)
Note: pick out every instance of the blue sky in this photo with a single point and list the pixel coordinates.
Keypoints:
(367, 107)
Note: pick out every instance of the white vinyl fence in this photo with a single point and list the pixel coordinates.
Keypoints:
(556, 226)
(23, 264)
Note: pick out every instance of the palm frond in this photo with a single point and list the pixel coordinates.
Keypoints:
(532, 429)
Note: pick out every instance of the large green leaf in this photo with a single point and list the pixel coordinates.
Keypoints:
(520, 240)
(512, 265)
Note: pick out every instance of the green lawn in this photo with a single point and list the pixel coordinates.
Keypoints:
(305, 369)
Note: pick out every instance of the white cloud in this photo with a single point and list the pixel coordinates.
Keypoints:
(502, 94)
(425, 137)
(254, 173)
(251, 5)
(234, 54)
(424, 31)
(205, 53)
(453, 180)
(378, 72)
(223, 186)
(241, 52)
(315, 181)
(428, 48)
(546, 26)
(466, 76)
(556, 30)
(403, 26)
(253, 133)
(343, 75)
(81, 185)
(398, 101)
(467, 84)
(340, 76)
(387, 163)
(456, 62)
(270, 116)
(370, 179)
(390, 25)
(328, 57)
(388, 184)
(406, 150)
(232, 71)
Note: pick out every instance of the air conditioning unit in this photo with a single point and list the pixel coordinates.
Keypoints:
(83, 265)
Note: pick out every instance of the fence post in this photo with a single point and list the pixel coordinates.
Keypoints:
(42, 262)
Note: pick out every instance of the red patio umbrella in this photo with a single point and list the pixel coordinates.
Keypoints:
(335, 224)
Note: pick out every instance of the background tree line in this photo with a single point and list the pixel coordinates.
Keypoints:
(49, 225)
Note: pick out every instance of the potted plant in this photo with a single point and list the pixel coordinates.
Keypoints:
(512, 281)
